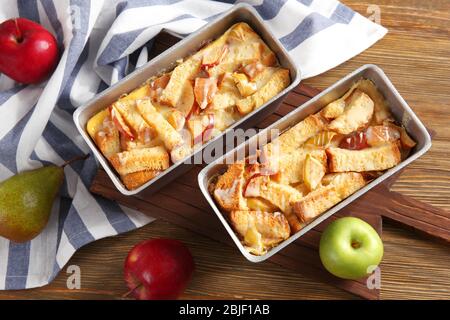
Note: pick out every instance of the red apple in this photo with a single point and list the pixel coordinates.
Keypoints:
(28, 52)
(158, 269)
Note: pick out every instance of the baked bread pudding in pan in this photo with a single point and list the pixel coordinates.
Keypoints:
(169, 116)
(310, 167)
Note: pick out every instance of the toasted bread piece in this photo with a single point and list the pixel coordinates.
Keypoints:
(291, 140)
(275, 85)
(381, 108)
(106, 137)
(127, 109)
(127, 144)
(370, 159)
(171, 137)
(280, 195)
(243, 84)
(258, 230)
(356, 115)
(136, 179)
(334, 109)
(292, 164)
(323, 198)
(126, 162)
(142, 92)
(229, 187)
(182, 73)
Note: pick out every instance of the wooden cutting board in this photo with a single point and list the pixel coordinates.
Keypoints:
(182, 203)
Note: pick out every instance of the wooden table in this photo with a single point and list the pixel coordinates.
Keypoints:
(416, 56)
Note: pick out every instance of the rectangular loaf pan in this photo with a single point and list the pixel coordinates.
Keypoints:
(166, 61)
(399, 108)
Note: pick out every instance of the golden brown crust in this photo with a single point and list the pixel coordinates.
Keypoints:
(229, 188)
(355, 116)
(323, 198)
(275, 85)
(260, 230)
(136, 179)
(370, 159)
(126, 162)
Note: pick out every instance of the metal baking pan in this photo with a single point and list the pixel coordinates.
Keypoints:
(166, 61)
(399, 108)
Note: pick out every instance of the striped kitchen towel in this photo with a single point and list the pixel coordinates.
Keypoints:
(101, 42)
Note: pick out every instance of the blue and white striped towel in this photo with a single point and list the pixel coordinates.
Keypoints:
(101, 42)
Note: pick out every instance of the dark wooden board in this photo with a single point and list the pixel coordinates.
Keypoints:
(181, 203)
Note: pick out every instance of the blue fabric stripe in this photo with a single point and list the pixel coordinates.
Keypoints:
(130, 4)
(117, 45)
(342, 14)
(115, 215)
(76, 230)
(305, 2)
(269, 9)
(79, 36)
(64, 101)
(9, 143)
(28, 9)
(309, 26)
(50, 10)
(17, 270)
(5, 95)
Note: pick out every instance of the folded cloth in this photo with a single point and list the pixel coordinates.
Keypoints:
(100, 43)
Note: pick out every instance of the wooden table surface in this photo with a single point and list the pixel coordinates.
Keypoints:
(415, 54)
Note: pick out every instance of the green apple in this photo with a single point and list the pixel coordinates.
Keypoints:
(350, 248)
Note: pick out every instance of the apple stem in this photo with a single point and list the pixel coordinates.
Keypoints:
(19, 34)
(83, 157)
(131, 291)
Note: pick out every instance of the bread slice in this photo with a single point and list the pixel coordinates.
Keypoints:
(104, 133)
(171, 137)
(280, 195)
(136, 179)
(356, 115)
(275, 85)
(292, 164)
(229, 187)
(127, 109)
(258, 230)
(323, 198)
(182, 73)
(371, 159)
(126, 162)
(291, 140)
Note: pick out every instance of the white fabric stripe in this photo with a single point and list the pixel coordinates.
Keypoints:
(43, 251)
(137, 18)
(138, 218)
(325, 8)
(64, 122)
(9, 11)
(6, 83)
(5, 173)
(91, 213)
(16, 107)
(45, 152)
(317, 47)
(4, 251)
(65, 250)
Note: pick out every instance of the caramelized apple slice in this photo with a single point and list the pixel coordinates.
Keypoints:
(204, 91)
(323, 139)
(378, 135)
(120, 123)
(313, 172)
(213, 56)
(158, 85)
(253, 69)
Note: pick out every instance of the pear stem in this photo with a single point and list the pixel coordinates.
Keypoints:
(131, 291)
(83, 157)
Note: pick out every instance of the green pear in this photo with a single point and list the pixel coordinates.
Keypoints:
(26, 200)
